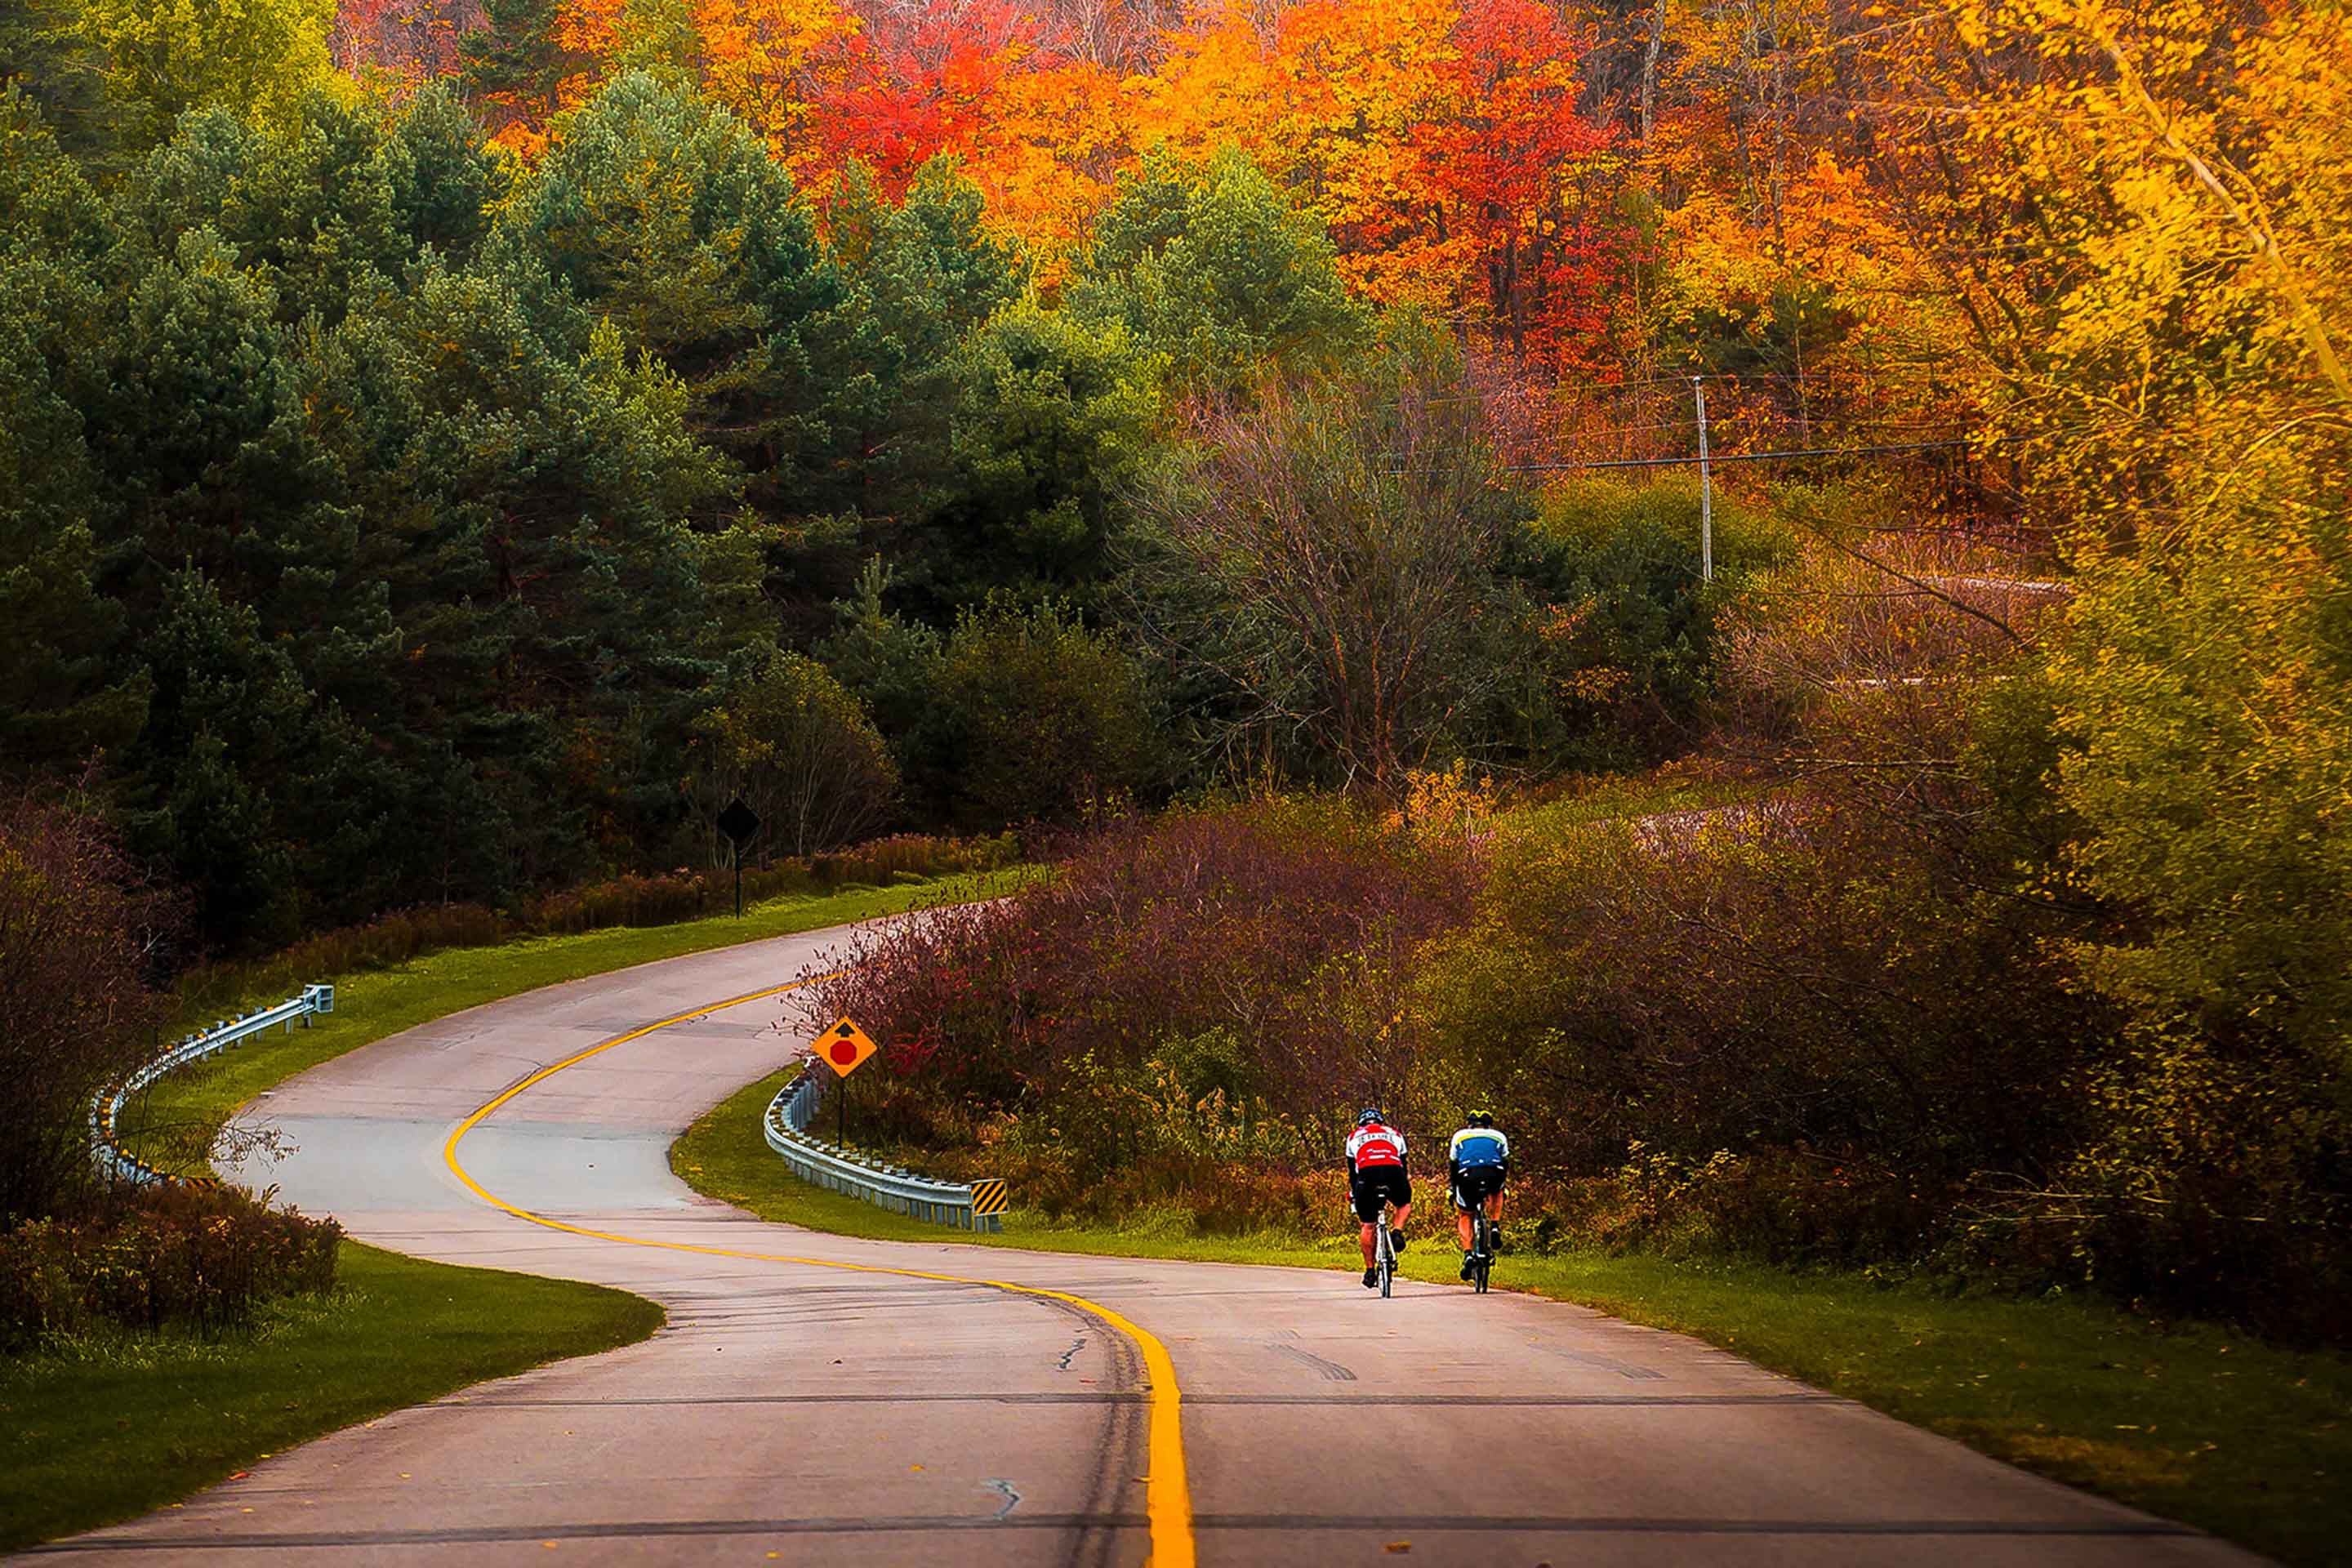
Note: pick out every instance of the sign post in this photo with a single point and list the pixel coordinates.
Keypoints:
(739, 822)
(844, 1047)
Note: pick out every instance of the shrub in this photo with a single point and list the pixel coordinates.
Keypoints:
(1632, 636)
(2213, 1179)
(631, 900)
(1038, 719)
(191, 1257)
(1774, 1204)
(920, 855)
(1221, 985)
(1318, 582)
(801, 752)
(78, 1015)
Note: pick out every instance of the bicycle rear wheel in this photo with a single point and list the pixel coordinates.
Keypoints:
(1388, 1262)
(1484, 1259)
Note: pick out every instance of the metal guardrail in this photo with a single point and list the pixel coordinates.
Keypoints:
(891, 1187)
(118, 1164)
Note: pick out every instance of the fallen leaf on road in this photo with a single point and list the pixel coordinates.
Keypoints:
(1399, 1546)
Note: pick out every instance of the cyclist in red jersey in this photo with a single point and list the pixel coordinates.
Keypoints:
(1376, 1175)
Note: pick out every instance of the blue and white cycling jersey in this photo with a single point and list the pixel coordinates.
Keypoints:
(1480, 1146)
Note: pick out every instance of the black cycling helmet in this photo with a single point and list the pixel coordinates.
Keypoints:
(1478, 1119)
(1367, 1116)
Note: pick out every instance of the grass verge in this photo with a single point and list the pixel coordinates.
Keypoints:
(2194, 1423)
(96, 1432)
(174, 1125)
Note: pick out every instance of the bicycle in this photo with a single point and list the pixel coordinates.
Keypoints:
(1482, 1236)
(1383, 1249)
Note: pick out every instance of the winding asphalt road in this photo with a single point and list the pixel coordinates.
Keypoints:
(816, 1399)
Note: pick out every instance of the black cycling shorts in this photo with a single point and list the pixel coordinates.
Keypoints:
(1476, 1182)
(1371, 1185)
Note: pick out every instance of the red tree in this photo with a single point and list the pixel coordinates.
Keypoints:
(1518, 168)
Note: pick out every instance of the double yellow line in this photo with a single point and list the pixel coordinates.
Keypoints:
(1167, 1497)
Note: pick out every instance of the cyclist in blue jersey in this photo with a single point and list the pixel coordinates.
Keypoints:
(1476, 1164)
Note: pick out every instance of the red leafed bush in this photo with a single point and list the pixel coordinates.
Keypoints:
(1263, 954)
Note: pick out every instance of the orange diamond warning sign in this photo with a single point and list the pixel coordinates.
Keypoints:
(844, 1047)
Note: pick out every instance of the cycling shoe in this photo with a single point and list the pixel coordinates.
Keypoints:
(1371, 1278)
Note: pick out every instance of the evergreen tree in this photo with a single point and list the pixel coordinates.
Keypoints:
(443, 180)
(1210, 265)
(60, 699)
(45, 57)
(1052, 418)
(228, 730)
(665, 214)
(515, 66)
(309, 210)
(919, 279)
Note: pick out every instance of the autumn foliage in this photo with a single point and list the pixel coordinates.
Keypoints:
(1442, 145)
(416, 490)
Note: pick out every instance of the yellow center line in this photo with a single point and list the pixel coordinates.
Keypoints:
(1167, 1497)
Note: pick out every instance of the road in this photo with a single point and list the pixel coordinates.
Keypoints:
(818, 1399)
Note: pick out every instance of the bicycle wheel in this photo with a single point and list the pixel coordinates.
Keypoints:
(1484, 1259)
(1388, 1261)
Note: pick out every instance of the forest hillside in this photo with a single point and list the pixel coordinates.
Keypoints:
(449, 448)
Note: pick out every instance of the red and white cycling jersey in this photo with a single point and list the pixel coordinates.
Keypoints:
(1376, 1144)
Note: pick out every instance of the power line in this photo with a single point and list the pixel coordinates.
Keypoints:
(1735, 457)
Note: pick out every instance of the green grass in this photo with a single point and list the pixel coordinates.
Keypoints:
(2244, 1440)
(1629, 797)
(95, 1432)
(98, 1432)
(175, 1124)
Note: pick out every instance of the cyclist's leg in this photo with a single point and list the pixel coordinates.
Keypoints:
(1397, 1189)
(1489, 1194)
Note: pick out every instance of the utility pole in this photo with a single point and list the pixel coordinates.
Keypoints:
(1706, 489)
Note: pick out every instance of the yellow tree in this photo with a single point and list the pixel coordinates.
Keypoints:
(167, 56)
(2139, 209)
(756, 57)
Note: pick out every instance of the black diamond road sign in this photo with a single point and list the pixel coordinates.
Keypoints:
(738, 821)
